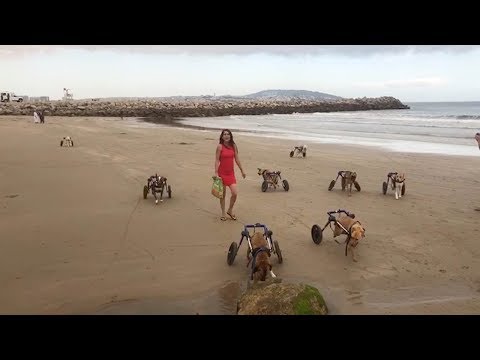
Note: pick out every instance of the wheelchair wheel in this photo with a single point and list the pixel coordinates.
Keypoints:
(385, 186)
(278, 251)
(332, 184)
(286, 186)
(304, 154)
(403, 189)
(169, 191)
(357, 186)
(145, 191)
(291, 153)
(232, 252)
(264, 186)
(317, 234)
(72, 143)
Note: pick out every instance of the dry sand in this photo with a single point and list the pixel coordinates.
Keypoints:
(77, 237)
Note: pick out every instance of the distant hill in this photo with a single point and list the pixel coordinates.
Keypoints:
(289, 94)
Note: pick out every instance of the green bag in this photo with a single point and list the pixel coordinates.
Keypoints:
(218, 189)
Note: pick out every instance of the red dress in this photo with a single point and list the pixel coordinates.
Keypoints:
(226, 168)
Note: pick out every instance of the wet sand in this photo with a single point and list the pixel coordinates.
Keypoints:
(78, 238)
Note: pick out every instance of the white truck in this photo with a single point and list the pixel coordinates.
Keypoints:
(9, 96)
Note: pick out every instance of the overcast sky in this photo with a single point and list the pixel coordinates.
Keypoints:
(409, 73)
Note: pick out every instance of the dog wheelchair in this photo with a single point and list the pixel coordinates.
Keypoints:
(391, 177)
(297, 150)
(157, 184)
(273, 245)
(317, 231)
(344, 174)
(270, 179)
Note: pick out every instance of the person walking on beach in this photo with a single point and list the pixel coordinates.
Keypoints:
(41, 116)
(36, 117)
(226, 153)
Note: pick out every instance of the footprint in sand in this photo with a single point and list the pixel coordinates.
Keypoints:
(354, 297)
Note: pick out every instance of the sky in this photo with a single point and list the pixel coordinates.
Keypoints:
(408, 73)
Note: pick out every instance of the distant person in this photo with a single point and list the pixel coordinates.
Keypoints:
(36, 117)
(42, 117)
(226, 153)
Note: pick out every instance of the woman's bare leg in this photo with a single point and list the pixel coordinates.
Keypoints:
(233, 197)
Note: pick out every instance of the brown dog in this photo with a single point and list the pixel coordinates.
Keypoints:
(271, 177)
(348, 180)
(357, 232)
(261, 257)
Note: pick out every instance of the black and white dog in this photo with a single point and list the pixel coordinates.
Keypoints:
(297, 150)
(157, 184)
(67, 141)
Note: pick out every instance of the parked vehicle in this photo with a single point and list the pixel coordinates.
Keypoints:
(9, 97)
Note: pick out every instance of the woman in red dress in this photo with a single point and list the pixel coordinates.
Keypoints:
(227, 151)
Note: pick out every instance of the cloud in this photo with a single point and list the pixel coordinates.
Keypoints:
(417, 82)
(285, 50)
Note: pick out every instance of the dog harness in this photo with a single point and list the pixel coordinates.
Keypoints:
(269, 174)
(348, 232)
(254, 254)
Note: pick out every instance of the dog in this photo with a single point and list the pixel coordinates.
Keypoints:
(398, 182)
(67, 140)
(348, 180)
(271, 177)
(260, 255)
(355, 232)
(264, 173)
(297, 150)
(268, 175)
(157, 185)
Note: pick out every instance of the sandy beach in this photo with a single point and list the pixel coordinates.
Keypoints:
(77, 237)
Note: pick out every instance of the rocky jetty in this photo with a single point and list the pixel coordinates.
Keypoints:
(176, 108)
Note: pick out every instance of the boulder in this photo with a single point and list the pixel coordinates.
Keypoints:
(274, 297)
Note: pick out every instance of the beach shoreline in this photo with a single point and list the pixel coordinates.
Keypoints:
(80, 238)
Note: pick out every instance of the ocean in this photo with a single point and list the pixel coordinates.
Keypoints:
(446, 128)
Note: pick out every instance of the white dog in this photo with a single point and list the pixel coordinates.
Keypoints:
(398, 183)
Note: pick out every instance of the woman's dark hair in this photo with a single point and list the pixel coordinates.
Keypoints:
(231, 143)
